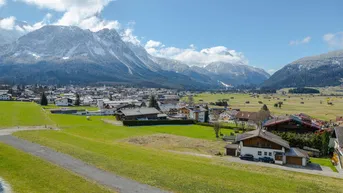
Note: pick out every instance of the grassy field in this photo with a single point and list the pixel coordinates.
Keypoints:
(27, 174)
(105, 146)
(292, 104)
(14, 114)
(324, 162)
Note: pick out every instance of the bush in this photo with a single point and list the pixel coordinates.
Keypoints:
(158, 122)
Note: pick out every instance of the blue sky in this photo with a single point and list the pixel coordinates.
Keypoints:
(267, 33)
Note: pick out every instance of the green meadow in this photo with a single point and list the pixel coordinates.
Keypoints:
(27, 174)
(13, 114)
(105, 146)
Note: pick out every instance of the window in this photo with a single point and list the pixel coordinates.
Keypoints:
(265, 153)
(270, 153)
(259, 152)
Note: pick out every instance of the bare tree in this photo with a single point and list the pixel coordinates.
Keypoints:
(262, 116)
(217, 128)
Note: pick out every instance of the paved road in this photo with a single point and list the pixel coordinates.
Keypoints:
(312, 169)
(115, 182)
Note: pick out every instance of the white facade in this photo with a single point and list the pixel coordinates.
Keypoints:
(201, 116)
(5, 97)
(64, 102)
(260, 152)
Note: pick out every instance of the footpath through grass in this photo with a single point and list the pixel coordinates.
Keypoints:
(324, 162)
(14, 114)
(99, 144)
(28, 174)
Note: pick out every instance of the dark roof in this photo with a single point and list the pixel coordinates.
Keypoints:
(231, 146)
(246, 115)
(140, 111)
(339, 135)
(263, 134)
(296, 152)
(284, 119)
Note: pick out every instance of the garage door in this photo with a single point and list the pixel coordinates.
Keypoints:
(231, 152)
(294, 160)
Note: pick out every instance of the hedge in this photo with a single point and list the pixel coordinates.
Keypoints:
(158, 122)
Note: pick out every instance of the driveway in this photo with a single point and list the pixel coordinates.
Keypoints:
(108, 179)
(310, 169)
(9, 131)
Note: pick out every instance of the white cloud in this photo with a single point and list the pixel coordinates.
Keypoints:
(127, 36)
(2, 2)
(192, 56)
(7, 23)
(82, 13)
(298, 42)
(334, 40)
(152, 44)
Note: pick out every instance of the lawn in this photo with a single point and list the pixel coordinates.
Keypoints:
(27, 174)
(102, 145)
(14, 114)
(291, 105)
(324, 162)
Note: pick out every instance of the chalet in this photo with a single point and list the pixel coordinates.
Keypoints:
(246, 116)
(291, 123)
(184, 111)
(261, 143)
(140, 114)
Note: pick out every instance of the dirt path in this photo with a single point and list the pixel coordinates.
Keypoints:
(108, 179)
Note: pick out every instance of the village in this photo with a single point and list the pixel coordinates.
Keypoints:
(259, 136)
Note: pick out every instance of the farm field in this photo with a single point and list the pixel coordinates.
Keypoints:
(106, 147)
(291, 104)
(26, 174)
(14, 114)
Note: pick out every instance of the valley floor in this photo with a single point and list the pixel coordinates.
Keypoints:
(137, 154)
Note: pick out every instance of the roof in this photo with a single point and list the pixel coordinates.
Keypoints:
(263, 134)
(246, 115)
(339, 135)
(140, 111)
(296, 152)
(284, 119)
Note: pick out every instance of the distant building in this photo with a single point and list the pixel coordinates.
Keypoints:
(141, 114)
(198, 113)
(291, 123)
(64, 102)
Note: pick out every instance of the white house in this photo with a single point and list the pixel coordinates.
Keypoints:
(5, 97)
(64, 102)
(198, 114)
(261, 143)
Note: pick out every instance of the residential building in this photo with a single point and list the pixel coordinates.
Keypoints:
(5, 97)
(336, 141)
(291, 123)
(261, 143)
(140, 114)
(64, 102)
(198, 114)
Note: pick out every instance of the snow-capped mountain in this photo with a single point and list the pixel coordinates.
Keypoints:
(321, 70)
(60, 54)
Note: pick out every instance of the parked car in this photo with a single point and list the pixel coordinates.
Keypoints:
(248, 157)
(266, 160)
